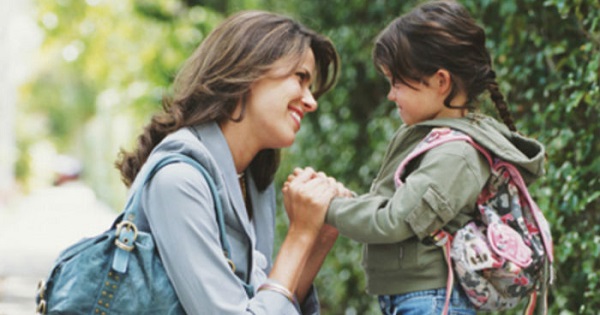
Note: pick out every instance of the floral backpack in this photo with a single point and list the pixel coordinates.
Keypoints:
(505, 254)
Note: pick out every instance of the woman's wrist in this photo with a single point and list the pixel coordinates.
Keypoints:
(292, 258)
(302, 236)
(275, 286)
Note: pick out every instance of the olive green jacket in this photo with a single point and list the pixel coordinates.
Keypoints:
(440, 190)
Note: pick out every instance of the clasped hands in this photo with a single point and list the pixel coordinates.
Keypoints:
(306, 197)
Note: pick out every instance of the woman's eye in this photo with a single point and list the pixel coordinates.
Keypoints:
(302, 76)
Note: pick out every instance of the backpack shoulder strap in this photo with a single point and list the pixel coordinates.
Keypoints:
(435, 138)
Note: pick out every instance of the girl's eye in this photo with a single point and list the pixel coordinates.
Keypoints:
(390, 80)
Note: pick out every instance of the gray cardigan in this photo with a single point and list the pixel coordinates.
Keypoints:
(177, 208)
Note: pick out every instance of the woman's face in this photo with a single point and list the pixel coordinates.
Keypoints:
(278, 102)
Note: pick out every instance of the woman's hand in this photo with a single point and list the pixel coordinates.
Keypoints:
(306, 196)
(341, 190)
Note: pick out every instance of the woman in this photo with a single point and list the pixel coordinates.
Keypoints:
(238, 99)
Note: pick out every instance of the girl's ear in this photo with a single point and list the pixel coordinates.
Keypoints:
(444, 81)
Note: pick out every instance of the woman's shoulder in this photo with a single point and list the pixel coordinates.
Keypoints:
(187, 142)
(181, 141)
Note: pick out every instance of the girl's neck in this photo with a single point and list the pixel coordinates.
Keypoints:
(453, 113)
(460, 99)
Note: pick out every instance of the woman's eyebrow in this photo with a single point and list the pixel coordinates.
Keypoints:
(307, 73)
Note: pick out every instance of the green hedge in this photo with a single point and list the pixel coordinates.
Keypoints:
(547, 57)
(546, 54)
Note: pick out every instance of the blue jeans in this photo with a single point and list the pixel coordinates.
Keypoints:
(427, 302)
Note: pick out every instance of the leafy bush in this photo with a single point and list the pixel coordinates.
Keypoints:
(546, 55)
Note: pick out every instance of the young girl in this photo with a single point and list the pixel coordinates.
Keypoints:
(240, 97)
(437, 64)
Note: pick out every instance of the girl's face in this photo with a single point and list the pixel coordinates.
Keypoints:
(278, 102)
(423, 101)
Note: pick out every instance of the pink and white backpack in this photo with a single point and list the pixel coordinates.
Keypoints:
(506, 253)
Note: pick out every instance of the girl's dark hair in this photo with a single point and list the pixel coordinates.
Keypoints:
(440, 35)
(218, 75)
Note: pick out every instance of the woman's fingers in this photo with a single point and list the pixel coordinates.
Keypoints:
(306, 198)
(307, 174)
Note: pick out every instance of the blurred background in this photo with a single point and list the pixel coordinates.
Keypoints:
(80, 78)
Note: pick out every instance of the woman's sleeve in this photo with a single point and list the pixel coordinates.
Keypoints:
(448, 179)
(179, 207)
(311, 305)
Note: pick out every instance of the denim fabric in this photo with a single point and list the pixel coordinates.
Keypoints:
(427, 302)
(99, 276)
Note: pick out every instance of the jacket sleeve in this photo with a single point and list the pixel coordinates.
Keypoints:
(179, 208)
(447, 181)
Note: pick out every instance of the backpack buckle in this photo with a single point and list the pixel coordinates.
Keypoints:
(438, 238)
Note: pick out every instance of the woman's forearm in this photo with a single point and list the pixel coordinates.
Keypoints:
(292, 259)
(321, 248)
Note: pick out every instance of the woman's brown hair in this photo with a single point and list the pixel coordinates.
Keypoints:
(440, 35)
(218, 75)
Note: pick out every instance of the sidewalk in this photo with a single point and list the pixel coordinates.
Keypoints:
(33, 232)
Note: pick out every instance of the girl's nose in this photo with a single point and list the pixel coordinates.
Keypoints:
(390, 95)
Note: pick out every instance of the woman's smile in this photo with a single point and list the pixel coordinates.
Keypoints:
(297, 115)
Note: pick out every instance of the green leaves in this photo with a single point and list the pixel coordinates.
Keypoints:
(105, 65)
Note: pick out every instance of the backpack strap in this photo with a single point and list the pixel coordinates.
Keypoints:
(435, 138)
(443, 239)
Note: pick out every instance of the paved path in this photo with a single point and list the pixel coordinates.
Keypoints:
(32, 233)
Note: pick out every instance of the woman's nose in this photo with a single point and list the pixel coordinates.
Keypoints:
(309, 101)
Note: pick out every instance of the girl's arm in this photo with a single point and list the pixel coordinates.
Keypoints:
(445, 184)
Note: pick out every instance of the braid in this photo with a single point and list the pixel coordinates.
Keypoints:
(501, 106)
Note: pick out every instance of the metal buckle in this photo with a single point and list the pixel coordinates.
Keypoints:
(231, 264)
(128, 226)
(438, 238)
(41, 307)
(41, 291)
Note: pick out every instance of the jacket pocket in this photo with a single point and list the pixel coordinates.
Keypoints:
(431, 214)
(385, 257)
